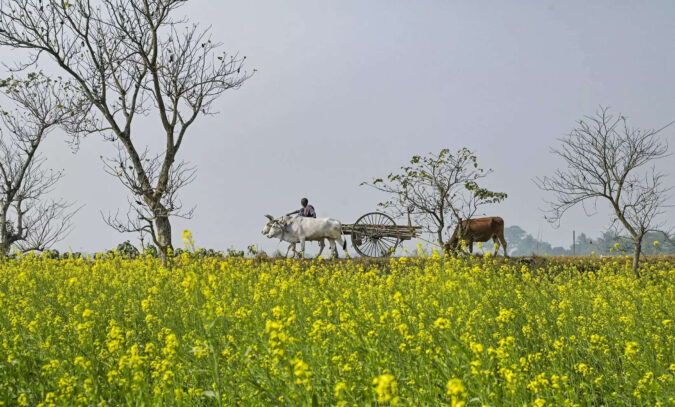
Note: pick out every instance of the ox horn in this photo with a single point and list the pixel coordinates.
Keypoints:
(270, 217)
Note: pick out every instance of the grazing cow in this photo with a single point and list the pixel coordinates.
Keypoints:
(479, 230)
(298, 229)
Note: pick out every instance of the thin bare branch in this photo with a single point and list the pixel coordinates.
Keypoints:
(128, 59)
(27, 221)
(607, 160)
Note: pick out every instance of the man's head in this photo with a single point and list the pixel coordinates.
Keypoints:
(304, 202)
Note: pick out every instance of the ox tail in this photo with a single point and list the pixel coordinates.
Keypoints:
(344, 239)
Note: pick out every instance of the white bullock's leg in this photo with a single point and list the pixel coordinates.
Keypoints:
(290, 246)
(322, 244)
(302, 247)
(333, 248)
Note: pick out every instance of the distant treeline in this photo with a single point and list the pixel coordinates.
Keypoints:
(520, 243)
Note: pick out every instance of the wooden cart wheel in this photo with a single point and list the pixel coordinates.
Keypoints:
(369, 235)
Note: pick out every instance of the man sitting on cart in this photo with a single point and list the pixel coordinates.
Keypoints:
(306, 211)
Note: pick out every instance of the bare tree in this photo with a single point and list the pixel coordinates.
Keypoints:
(130, 59)
(139, 218)
(27, 220)
(607, 160)
(437, 190)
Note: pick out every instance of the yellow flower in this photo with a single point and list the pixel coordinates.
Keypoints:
(631, 349)
(442, 323)
(171, 344)
(188, 240)
(22, 400)
(300, 368)
(200, 349)
(340, 388)
(505, 315)
(477, 348)
(455, 388)
(583, 369)
(457, 392)
(386, 388)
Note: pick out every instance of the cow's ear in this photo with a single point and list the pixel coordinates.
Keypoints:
(270, 217)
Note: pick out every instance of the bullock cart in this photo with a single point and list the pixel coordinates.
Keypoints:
(376, 234)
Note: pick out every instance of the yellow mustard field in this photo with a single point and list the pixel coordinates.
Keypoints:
(411, 331)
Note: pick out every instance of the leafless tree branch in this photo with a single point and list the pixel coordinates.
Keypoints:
(129, 59)
(27, 221)
(606, 159)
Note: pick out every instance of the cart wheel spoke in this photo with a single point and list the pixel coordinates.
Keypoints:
(371, 248)
(370, 236)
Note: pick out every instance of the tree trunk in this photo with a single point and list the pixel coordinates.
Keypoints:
(439, 234)
(5, 234)
(4, 247)
(163, 230)
(636, 256)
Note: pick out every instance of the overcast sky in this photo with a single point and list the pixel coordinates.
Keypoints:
(350, 90)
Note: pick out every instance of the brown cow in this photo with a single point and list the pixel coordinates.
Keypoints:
(479, 230)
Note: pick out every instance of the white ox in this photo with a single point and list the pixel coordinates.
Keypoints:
(299, 229)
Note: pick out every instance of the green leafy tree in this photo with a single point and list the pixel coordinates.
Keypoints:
(437, 190)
